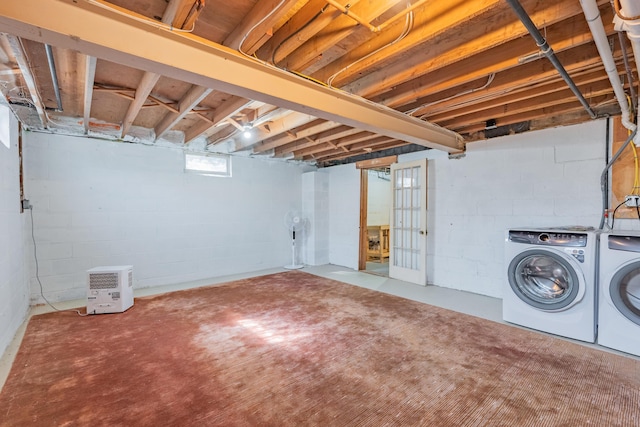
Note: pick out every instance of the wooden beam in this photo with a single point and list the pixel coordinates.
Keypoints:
(172, 9)
(89, 79)
(568, 34)
(299, 132)
(335, 155)
(253, 32)
(149, 79)
(429, 21)
(496, 98)
(310, 19)
(229, 108)
(570, 105)
(377, 163)
(504, 84)
(488, 32)
(337, 30)
(178, 13)
(277, 127)
(592, 90)
(143, 91)
(319, 139)
(90, 29)
(375, 139)
(192, 98)
(22, 60)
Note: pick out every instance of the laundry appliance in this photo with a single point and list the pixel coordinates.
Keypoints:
(619, 302)
(551, 281)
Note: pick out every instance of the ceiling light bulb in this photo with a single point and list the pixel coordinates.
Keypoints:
(247, 132)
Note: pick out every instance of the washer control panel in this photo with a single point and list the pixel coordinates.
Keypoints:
(578, 254)
(549, 238)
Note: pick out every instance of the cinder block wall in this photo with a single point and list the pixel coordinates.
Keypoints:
(102, 203)
(14, 294)
(537, 179)
(315, 208)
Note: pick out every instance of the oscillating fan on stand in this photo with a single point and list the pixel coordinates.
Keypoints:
(294, 222)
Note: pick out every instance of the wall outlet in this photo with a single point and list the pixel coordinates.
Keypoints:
(632, 201)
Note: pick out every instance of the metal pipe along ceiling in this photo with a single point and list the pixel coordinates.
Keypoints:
(546, 49)
(54, 75)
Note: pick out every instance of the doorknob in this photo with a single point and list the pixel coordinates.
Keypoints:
(423, 232)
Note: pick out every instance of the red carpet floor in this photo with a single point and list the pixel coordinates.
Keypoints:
(293, 349)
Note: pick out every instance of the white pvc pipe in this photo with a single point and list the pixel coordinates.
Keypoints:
(630, 8)
(592, 14)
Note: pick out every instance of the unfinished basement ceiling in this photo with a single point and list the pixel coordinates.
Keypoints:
(323, 81)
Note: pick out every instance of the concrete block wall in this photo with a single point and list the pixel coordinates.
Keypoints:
(537, 179)
(14, 290)
(344, 215)
(100, 203)
(315, 207)
(378, 199)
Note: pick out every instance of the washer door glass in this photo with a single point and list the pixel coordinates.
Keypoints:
(625, 291)
(543, 279)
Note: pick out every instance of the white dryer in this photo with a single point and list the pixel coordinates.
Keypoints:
(619, 303)
(551, 281)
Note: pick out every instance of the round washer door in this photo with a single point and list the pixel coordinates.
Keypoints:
(546, 280)
(624, 290)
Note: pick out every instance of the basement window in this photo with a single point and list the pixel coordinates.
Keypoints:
(208, 164)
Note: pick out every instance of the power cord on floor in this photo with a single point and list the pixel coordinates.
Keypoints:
(35, 255)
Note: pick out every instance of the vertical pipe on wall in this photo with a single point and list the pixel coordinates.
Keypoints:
(605, 174)
(20, 166)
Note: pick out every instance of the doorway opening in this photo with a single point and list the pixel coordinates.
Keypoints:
(378, 219)
(375, 211)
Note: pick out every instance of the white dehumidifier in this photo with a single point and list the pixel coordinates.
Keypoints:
(109, 289)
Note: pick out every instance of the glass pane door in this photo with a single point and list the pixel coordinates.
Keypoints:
(408, 231)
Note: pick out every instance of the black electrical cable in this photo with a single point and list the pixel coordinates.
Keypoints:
(613, 216)
(637, 210)
(35, 256)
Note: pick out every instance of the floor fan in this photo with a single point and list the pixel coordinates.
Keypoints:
(294, 222)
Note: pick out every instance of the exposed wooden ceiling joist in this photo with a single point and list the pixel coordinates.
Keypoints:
(27, 74)
(188, 58)
(455, 65)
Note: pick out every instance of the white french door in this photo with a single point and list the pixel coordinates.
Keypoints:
(408, 231)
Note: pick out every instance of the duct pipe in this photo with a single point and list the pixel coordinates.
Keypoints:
(592, 15)
(546, 49)
(628, 19)
(54, 75)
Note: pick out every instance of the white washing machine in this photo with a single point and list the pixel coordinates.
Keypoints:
(619, 302)
(551, 284)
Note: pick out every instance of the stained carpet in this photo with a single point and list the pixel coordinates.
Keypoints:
(293, 349)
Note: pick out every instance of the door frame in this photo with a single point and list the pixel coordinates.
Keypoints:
(364, 167)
